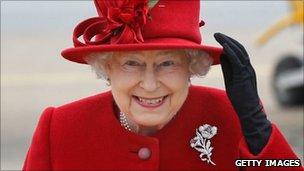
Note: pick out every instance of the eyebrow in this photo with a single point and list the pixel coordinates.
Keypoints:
(165, 52)
(171, 52)
(159, 53)
(132, 54)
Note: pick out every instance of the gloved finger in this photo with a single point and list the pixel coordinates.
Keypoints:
(245, 56)
(242, 55)
(227, 69)
(232, 56)
(219, 38)
(236, 43)
(253, 75)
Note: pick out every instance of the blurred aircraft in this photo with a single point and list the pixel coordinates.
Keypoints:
(295, 17)
(288, 81)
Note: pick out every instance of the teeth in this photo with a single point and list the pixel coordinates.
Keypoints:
(151, 101)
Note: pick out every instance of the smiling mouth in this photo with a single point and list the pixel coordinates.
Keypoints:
(150, 102)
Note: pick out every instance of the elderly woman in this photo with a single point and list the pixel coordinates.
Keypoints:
(153, 118)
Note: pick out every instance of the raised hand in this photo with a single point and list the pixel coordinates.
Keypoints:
(241, 88)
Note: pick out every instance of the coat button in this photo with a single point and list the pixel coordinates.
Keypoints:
(144, 153)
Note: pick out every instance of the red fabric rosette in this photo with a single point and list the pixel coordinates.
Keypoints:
(121, 22)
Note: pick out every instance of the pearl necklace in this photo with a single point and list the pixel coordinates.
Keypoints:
(124, 122)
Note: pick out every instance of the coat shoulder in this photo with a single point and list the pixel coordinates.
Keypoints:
(83, 111)
(87, 102)
(212, 96)
(216, 104)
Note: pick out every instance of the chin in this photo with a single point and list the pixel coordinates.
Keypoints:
(151, 120)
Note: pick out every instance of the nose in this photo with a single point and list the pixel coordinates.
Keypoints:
(149, 81)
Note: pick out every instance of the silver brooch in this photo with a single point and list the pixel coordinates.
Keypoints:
(201, 142)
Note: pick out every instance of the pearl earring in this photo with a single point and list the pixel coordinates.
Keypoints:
(108, 82)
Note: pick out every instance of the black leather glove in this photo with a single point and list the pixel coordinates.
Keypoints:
(241, 88)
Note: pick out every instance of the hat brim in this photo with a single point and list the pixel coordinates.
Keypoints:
(76, 54)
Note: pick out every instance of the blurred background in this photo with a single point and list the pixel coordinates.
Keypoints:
(35, 76)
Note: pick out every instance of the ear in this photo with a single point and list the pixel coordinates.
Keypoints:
(107, 64)
(107, 68)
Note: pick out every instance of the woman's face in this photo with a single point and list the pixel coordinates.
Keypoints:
(149, 86)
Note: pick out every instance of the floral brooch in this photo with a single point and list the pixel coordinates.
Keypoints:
(202, 142)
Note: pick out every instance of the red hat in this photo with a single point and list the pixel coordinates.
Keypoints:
(129, 25)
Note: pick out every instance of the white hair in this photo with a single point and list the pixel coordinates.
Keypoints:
(200, 62)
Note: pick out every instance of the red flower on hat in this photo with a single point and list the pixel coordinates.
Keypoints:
(126, 18)
(120, 22)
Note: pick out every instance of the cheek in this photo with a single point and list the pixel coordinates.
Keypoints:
(121, 80)
(176, 81)
(178, 85)
(179, 96)
(122, 86)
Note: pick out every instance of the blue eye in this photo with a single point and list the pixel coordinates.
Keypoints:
(132, 63)
(167, 63)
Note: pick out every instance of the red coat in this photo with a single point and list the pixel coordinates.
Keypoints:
(85, 135)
